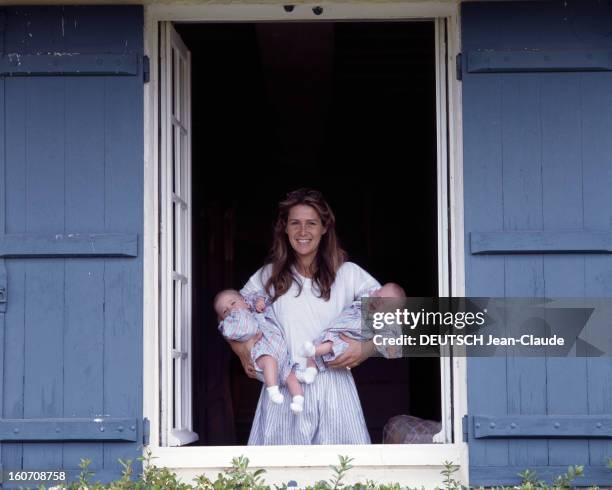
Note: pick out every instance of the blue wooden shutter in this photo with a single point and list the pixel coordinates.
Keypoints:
(537, 116)
(71, 166)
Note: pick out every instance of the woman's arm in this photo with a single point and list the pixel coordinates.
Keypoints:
(243, 351)
(366, 283)
(255, 284)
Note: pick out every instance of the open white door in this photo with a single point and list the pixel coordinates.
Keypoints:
(175, 239)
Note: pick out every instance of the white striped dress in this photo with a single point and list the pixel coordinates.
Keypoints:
(332, 411)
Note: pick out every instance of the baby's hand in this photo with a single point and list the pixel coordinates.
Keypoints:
(260, 305)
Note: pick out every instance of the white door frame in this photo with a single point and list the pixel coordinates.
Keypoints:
(450, 216)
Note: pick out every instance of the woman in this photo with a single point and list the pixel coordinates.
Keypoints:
(310, 282)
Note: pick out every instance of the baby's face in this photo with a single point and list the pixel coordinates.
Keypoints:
(228, 302)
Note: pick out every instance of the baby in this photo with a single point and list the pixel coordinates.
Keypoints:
(241, 318)
(329, 345)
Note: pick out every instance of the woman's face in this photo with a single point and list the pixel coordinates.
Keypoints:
(304, 229)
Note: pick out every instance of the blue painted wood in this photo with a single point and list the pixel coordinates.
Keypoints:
(123, 277)
(69, 245)
(14, 210)
(70, 429)
(542, 426)
(507, 475)
(3, 270)
(68, 63)
(564, 274)
(73, 28)
(545, 138)
(44, 297)
(485, 277)
(597, 114)
(530, 242)
(73, 324)
(85, 209)
(538, 60)
(547, 25)
(523, 275)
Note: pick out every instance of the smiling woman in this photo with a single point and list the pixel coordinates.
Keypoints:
(310, 284)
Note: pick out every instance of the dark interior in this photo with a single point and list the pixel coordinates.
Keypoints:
(346, 108)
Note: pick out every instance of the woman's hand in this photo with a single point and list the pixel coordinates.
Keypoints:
(355, 353)
(243, 351)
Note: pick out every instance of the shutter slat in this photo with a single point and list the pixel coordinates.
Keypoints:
(537, 242)
(538, 60)
(67, 63)
(66, 429)
(542, 426)
(69, 245)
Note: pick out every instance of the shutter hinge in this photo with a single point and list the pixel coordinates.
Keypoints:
(465, 427)
(146, 69)
(3, 286)
(459, 66)
(146, 431)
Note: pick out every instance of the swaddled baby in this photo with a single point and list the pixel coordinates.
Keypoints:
(241, 319)
(329, 345)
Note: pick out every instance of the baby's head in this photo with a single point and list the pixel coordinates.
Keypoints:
(228, 300)
(389, 291)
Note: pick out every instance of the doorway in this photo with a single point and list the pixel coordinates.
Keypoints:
(345, 107)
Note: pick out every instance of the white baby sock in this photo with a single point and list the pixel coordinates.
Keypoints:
(297, 405)
(309, 374)
(275, 395)
(306, 375)
(308, 349)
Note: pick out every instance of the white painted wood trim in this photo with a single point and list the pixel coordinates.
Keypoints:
(455, 128)
(413, 465)
(442, 213)
(455, 142)
(189, 261)
(442, 155)
(420, 461)
(151, 381)
(342, 10)
(283, 456)
(166, 314)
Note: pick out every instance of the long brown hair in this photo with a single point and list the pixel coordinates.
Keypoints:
(282, 258)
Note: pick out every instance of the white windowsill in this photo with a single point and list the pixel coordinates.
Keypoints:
(400, 455)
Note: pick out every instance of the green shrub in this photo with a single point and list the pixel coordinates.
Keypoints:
(239, 477)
